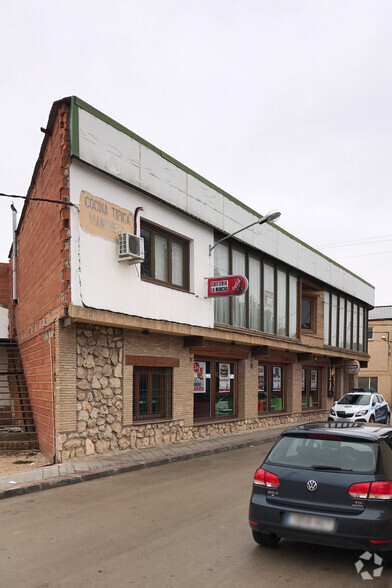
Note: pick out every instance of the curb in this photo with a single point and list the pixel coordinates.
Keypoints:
(30, 487)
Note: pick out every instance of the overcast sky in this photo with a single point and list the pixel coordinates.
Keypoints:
(285, 104)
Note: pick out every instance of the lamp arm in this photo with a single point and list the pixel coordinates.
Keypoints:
(258, 222)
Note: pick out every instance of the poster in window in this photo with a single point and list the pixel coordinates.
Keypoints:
(224, 378)
(261, 378)
(313, 380)
(199, 377)
(276, 379)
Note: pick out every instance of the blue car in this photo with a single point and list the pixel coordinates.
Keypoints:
(361, 405)
(329, 484)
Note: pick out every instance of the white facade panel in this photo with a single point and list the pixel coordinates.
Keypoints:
(323, 269)
(162, 178)
(287, 249)
(306, 260)
(204, 202)
(235, 217)
(105, 147)
(4, 322)
(99, 280)
(125, 158)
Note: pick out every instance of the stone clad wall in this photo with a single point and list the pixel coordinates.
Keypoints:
(99, 394)
(100, 386)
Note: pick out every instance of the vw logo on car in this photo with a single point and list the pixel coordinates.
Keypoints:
(311, 485)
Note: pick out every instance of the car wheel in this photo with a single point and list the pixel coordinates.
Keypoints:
(372, 419)
(265, 539)
(388, 419)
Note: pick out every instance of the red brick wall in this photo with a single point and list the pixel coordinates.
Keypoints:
(4, 285)
(38, 355)
(43, 289)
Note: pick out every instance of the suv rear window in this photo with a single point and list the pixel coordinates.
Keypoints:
(356, 456)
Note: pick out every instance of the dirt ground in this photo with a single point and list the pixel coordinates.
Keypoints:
(19, 461)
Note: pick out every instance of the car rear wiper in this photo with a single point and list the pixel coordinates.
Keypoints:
(326, 467)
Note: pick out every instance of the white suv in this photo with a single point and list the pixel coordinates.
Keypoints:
(361, 406)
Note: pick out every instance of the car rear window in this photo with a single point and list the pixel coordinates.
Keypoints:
(361, 399)
(352, 455)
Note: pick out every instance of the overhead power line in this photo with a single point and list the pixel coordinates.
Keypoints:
(365, 255)
(66, 202)
(364, 241)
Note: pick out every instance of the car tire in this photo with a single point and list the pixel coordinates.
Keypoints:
(372, 419)
(265, 539)
(386, 557)
(388, 419)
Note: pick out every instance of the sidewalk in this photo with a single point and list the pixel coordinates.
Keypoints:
(90, 468)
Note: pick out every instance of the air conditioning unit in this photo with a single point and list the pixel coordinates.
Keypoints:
(130, 248)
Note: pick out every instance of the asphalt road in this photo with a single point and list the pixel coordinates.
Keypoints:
(181, 525)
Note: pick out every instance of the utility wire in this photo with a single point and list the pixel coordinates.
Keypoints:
(66, 202)
(364, 241)
(365, 255)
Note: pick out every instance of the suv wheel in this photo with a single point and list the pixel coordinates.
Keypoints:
(371, 419)
(265, 539)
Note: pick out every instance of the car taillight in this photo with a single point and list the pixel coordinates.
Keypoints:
(381, 490)
(372, 490)
(264, 478)
(359, 490)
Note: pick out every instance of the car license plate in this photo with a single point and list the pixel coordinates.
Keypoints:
(310, 522)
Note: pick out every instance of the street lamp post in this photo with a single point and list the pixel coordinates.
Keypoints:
(271, 216)
(384, 338)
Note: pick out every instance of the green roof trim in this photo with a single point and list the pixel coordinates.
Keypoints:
(77, 103)
(74, 128)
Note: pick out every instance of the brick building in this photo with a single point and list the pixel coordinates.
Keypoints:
(378, 373)
(122, 349)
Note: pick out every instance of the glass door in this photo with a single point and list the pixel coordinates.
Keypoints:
(214, 389)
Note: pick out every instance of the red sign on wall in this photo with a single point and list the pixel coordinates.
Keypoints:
(227, 286)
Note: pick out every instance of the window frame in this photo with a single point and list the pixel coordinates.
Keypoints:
(214, 394)
(167, 396)
(308, 369)
(269, 368)
(313, 313)
(357, 335)
(156, 230)
(263, 260)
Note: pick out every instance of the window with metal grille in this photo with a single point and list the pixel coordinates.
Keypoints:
(152, 393)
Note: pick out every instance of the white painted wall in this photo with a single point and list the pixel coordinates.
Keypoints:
(123, 157)
(4, 322)
(100, 281)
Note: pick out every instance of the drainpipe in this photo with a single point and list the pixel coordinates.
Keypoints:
(14, 253)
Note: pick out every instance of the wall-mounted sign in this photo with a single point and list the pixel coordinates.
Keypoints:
(227, 286)
(352, 367)
(104, 218)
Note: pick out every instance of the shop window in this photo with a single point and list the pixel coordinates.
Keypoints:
(152, 393)
(270, 388)
(214, 389)
(166, 257)
(311, 387)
